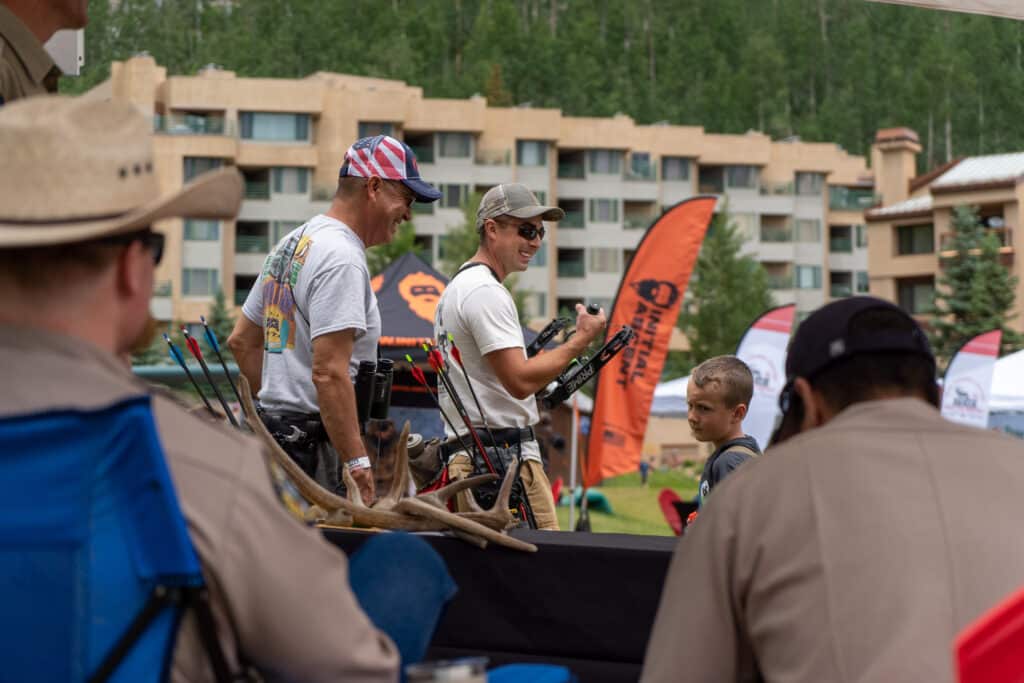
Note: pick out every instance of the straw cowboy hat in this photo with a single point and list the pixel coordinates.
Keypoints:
(73, 170)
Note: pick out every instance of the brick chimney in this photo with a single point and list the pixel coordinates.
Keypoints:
(893, 158)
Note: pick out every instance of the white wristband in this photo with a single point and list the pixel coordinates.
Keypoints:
(362, 463)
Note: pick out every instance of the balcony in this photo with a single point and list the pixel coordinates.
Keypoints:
(851, 199)
(770, 189)
(496, 157)
(637, 222)
(780, 280)
(424, 153)
(838, 291)
(571, 170)
(240, 296)
(162, 288)
(573, 219)
(640, 174)
(423, 209)
(257, 190)
(1003, 235)
(252, 244)
(840, 244)
(192, 124)
(570, 269)
(776, 233)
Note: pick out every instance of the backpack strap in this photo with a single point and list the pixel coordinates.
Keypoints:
(739, 448)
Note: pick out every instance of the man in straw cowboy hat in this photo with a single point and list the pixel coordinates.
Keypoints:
(78, 199)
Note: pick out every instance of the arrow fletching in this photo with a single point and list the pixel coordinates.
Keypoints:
(211, 338)
(193, 346)
(457, 354)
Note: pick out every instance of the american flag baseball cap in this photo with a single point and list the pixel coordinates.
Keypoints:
(385, 157)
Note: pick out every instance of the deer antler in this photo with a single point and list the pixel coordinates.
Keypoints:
(392, 511)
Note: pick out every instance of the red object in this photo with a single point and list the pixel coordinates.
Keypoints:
(193, 346)
(648, 300)
(667, 499)
(456, 354)
(556, 489)
(991, 650)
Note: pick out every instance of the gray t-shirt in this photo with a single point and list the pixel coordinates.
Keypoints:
(315, 281)
(480, 314)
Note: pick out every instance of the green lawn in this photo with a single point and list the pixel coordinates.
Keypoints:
(636, 507)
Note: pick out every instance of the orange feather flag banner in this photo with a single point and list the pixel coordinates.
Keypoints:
(648, 300)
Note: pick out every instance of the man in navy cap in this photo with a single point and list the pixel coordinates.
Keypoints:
(849, 552)
(312, 316)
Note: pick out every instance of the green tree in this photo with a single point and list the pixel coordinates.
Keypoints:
(727, 292)
(380, 257)
(221, 322)
(975, 292)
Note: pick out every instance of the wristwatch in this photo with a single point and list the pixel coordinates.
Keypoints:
(361, 463)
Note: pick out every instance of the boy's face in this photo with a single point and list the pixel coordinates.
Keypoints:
(709, 417)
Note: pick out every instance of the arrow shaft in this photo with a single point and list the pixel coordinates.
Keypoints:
(216, 391)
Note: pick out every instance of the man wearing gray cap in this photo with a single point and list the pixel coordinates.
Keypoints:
(479, 314)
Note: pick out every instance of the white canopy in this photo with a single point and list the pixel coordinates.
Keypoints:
(1008, 384)
(1011, 9)
(670, 398)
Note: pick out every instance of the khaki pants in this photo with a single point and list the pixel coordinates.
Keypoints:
(535, 482)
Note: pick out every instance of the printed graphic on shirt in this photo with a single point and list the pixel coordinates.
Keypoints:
(280, 273)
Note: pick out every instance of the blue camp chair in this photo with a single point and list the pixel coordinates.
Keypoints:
(96, 565)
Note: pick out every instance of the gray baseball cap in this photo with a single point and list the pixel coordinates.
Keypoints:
(513, 199)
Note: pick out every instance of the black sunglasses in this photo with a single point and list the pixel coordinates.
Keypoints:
(529, 231)
(154, 241)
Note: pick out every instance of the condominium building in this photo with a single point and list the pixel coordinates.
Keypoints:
(799, 205)
(910, 232)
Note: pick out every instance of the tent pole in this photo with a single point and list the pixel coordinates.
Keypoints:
(573, 462)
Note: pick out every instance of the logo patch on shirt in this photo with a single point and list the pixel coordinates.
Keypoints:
(287, 492)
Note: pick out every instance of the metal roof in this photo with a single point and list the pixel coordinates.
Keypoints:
(985, 169)
(912, 205)
(1000, 8)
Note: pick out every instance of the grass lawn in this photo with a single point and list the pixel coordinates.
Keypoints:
(636, 506)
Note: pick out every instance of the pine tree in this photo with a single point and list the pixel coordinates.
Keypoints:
(727, 292)
(380, 257)
(975, 292)
(220, 322)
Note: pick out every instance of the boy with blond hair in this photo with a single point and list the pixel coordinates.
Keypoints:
(717, 398)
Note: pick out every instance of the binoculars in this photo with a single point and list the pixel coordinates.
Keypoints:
(373, 390)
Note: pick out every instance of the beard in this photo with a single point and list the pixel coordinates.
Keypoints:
(146, 336)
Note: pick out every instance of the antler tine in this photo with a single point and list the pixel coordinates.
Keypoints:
(400, 480)
(351, 488)
(499, 516)
(420, 508)
(440, 497)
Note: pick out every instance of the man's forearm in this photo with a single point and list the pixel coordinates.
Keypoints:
(338, 411)
(250, 364)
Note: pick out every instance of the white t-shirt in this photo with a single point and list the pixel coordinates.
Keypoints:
(480, 314)
(321, 267)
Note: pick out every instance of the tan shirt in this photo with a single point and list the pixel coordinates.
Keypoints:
(25, 67)
(853, 552)
(280, 592)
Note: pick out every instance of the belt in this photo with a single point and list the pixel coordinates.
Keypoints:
(297, 428)
(509, 435)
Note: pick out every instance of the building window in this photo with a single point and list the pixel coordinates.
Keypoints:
(711, 180)
(839, 239)
(776, 230)
(916, 295)
(862, 282)
(675, 168)
(368, 129)
(570, 263)
(202, 231)
(282, 228)
(603, 260)
(199, 281)
(862, 236)
(640, 166)
(810, 184)
(291, 180)
(741, 177)
(541, 195)
(745, 224)
(540, 258)
(605, 161)
(197, 165)
(627, 258)
(455, 145)
(272, 127)
(808, 230)
(532, 153)
(453, 195)
(915, 239)
(808, 277)
(604, 210)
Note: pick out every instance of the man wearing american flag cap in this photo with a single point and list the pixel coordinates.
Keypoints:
(312, 315)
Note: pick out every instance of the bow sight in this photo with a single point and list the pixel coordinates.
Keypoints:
(584, 368)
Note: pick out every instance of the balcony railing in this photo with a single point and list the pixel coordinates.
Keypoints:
(1004, 235)
(252, 244)
(568, 169)
(851, 199)
(496, 157)
(178, 124)
(770, 189)
(424, 153)
(423, 209)
(840, 245)
(642, 175)
(162, 288)
(573, 219)
(570, 269)
(637, 222)
(780, 280)
(257, 190)
(776, 234)
(837, 290)
(323, 193)
(240, 296)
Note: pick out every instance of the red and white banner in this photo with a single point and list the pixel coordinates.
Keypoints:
(763, 349)
(648, 300)
(967, 386)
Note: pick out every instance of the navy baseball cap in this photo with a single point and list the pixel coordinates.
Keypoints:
(385, 157)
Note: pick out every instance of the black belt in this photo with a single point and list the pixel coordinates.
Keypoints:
(509, 435)
(301, 429)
